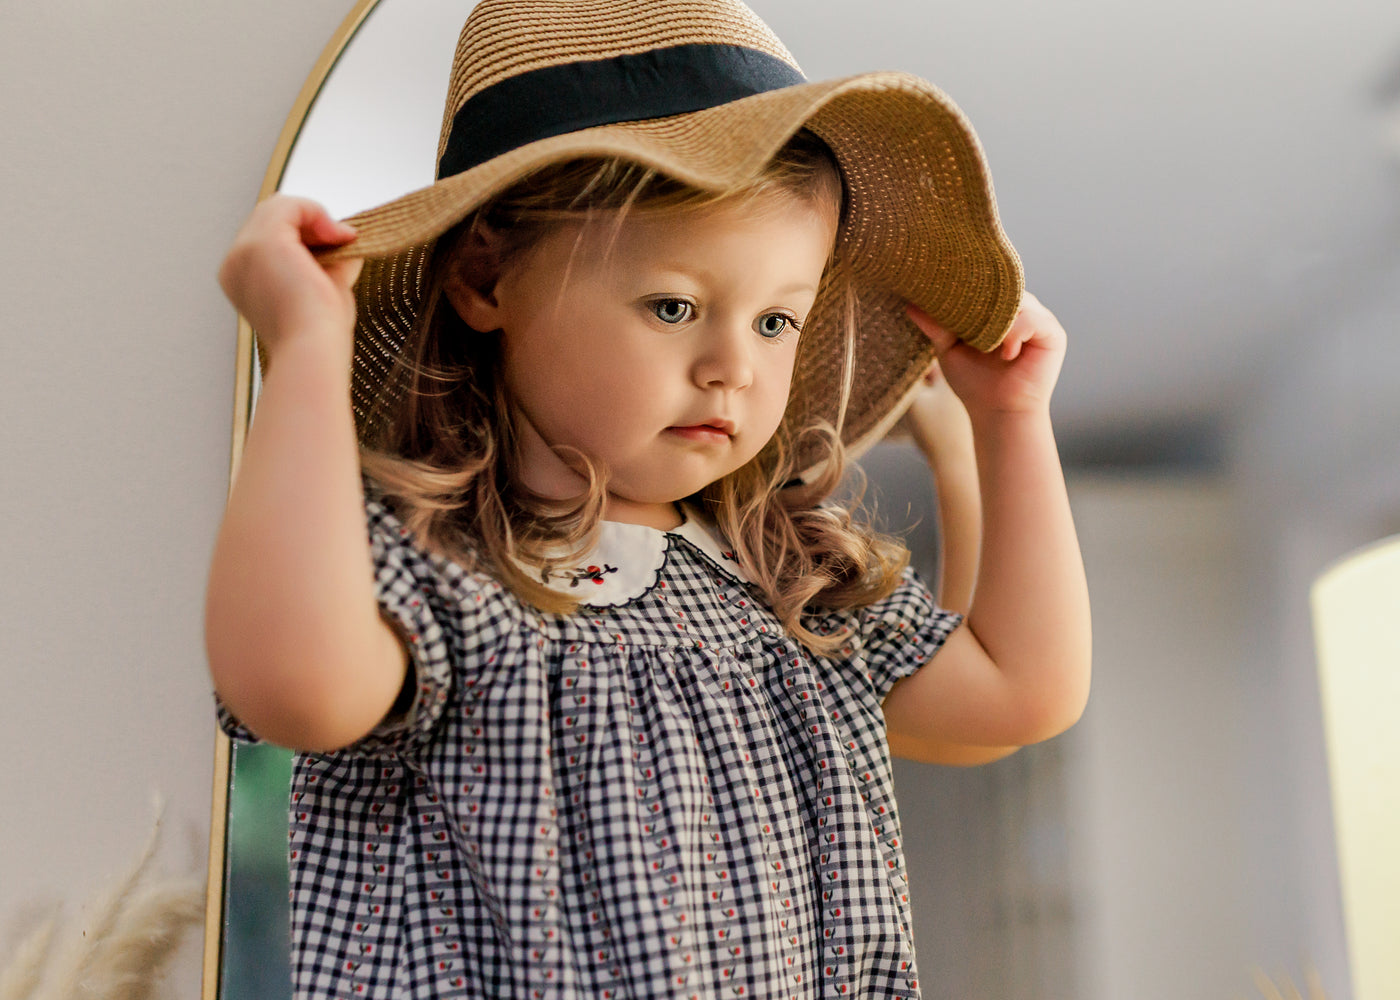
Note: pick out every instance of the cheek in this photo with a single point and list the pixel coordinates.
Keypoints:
(579, 396)
(778, 386)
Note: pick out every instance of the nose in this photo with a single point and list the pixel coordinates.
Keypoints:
(724, 359)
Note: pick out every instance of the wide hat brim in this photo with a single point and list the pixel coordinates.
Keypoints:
(920, 225)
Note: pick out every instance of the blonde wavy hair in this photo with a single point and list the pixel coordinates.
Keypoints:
(446, 454)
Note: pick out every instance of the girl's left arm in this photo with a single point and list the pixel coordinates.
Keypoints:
(938, 425)
(1017, 671)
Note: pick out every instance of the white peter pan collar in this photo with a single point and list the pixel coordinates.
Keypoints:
(627, 559)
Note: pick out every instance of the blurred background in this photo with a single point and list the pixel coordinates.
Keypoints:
(1208, 195)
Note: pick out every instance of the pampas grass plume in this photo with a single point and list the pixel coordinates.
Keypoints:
(134, 930)
(26, 968)
(1284, 990)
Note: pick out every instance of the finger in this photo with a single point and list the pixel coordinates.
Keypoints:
(942, 338)
(1033, 326)
(1041, 319)
(346, 271)
(1010, 347)
(314, 225)
(323, 231)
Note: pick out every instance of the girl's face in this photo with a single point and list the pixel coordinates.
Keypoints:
(662, 348)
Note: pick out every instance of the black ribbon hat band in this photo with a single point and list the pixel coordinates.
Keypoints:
(556, 100)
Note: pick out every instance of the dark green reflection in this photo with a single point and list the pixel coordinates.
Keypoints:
(256, 952)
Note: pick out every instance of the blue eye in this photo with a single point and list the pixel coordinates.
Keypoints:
(672, 311)
(773, 325)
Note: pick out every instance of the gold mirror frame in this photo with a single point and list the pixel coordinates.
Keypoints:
(242, 412)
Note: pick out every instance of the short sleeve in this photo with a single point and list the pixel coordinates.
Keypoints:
(902, 632)
(415, 601)
(229, 723)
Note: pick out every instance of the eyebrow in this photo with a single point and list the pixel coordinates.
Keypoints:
(701, 276)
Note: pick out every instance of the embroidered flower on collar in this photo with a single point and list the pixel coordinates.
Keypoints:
(593, 574)
(627, 559)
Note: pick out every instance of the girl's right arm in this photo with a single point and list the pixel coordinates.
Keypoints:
(297, 648)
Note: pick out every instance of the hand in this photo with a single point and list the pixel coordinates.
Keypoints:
(1018, 376)
(274, 279)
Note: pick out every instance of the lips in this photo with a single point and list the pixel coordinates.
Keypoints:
(708, 431)
(725, 427)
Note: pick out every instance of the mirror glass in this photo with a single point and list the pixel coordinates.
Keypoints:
(1200, 231)
(372, 134)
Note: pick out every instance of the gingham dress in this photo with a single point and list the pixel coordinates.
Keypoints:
(662, 796)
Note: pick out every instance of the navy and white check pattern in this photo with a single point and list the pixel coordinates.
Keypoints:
(663, 798)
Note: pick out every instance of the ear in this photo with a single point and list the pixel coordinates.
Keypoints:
(470, 282)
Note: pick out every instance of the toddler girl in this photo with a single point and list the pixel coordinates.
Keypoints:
(593, 683)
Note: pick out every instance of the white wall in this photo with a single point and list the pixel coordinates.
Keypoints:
(1127, 857)
(1156, 778)
(1318, 446)
(133, 138)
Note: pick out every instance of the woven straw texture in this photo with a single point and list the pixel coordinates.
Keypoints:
(506, 37)
(920, 224)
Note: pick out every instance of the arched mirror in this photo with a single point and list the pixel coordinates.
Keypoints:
(363, 104)
(1145, 852)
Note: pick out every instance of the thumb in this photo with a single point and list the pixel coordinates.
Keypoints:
(942, 338)
(345, 271)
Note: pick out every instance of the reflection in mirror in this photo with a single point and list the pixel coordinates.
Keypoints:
(372, 135)
(256, 962)
(1181, 833)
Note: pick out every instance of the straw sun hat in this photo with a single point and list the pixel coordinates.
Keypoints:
(704, 91)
